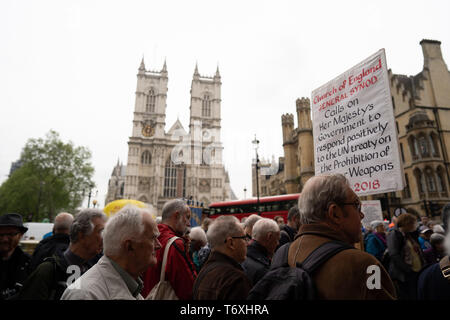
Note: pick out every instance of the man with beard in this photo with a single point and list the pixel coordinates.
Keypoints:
(180, 270)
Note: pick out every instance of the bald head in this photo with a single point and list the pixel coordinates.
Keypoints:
(62, 223)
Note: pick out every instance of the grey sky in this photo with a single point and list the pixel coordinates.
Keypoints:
(71, 65)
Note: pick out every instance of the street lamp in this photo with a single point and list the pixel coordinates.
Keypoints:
(90, 195)
(245, 192)
(255, 145)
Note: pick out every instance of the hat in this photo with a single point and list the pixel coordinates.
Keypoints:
(424, 229)
(376, 223)
(12, 220)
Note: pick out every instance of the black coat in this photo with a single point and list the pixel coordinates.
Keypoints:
(48, 247)
(398, 268)
(432, 285)
(221, 278)
(287, 234)
(13, 273)
(47, 281)
(257, 263)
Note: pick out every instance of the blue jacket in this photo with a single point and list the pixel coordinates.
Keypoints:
(374, 246)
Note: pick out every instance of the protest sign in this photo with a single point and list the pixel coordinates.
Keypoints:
(372, 211)
(354, 128)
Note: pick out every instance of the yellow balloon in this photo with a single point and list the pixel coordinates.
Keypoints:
(114, 206)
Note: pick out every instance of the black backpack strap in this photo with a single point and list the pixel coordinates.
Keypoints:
(322, 253)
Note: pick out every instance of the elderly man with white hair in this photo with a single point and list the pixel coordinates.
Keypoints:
(249, 223)
(222, 276)
(266, 236)
(130, 241)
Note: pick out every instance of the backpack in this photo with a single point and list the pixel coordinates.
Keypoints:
(163, 290)
(283, 282)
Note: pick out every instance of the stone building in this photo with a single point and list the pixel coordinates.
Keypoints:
(165, 165)
(422, 113)
(116, 184)
(269, 184)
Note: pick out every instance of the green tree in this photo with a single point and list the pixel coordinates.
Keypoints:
(53, 178)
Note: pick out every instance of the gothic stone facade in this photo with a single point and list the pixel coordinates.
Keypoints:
(175, 164)
(422, 115)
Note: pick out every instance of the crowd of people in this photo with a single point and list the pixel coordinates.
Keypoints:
(133, 256)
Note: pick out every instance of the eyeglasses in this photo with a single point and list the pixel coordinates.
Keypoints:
(356, 204)
(10, 235)
(245, 237)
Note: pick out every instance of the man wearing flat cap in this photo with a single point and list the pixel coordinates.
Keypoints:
(15, 265)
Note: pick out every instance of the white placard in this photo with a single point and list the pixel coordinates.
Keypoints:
(354, 128)
(372, 211)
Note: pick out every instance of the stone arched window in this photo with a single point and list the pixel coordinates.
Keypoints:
(423, 145)
(433, 140)
(413, 147)
(174, 180)
(206, 106)
(146, 157)
(440, 175)
(420, 181)
(429, 177)
(406, 191)
(150, 103)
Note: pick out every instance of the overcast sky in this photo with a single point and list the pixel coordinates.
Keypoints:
(71, 66)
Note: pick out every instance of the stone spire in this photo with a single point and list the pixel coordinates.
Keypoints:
(196, 74)
(217, 75)
(142, 66)
(164, 69)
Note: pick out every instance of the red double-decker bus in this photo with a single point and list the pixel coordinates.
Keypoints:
(269, 207)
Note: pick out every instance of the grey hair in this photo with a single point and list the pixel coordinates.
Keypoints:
(251, 220)
(318, 193)
(125, 224)
(221, 228)
(263, 227)
(172, 206)
(63, 221)
(293, 213)
(198, 234)
(83, 223)
(437, 238)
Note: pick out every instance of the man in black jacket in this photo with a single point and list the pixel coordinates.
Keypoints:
(290, 229)
(58, 242)
(266, 235)
(51, 277)
(14, 263)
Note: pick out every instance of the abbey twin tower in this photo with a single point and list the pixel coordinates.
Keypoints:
(175, 164)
